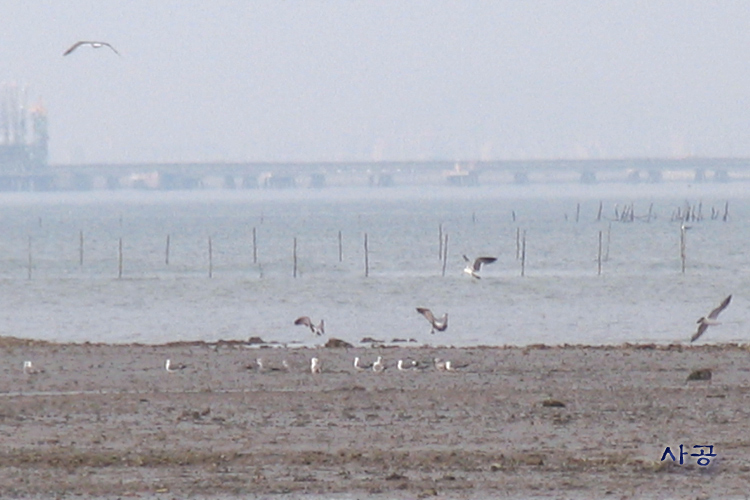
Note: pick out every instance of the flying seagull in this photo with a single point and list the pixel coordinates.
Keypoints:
(705, 322)
(317, 330)
(437, 324)
(96, 45)
(473, 269)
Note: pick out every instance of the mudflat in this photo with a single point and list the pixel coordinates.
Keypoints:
(109, 421)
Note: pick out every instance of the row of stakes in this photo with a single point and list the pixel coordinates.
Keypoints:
(627, 215)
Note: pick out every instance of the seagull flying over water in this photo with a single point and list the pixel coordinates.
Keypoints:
(306, 321)
(437, 324)
(473, 269)
(96, 45)
(705, 322)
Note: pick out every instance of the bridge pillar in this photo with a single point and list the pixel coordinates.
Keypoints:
(588, 177)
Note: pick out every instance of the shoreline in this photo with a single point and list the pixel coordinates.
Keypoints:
(107, 421)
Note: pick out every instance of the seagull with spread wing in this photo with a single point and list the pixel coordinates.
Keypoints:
(96, 45)
(306, 321)
(437, 324)
(705, 322)
(472, 269)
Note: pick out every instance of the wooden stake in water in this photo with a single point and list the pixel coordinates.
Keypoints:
(599, 257)
(294, 257)
(599, 214)
(683, 256)
(445, 253)
(650, 212)
(166, 252)
(255, 248)
(30, 262)
(341, 249)
(119, 259)
(609, 239)
(210, 258)
(523, 254)
(367, 258)
(578, 211)
(440, 240)
(518, 243)
(726, 212)
(80, 248)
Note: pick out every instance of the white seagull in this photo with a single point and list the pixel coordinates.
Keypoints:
(473, 269)
(30, 369)
(378, 366)
(96, 45)
(306, 321)
(315, 366)
(173, 368)
(705, 322)
(406, 365)
(359, 367)
(437, 324)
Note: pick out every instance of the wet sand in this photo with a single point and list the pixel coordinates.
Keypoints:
(108, 421)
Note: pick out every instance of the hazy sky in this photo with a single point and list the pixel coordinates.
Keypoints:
(369, 80)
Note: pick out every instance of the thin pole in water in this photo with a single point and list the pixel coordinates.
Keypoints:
(80, 248)
(294, 257)
(523, 254)
(445, 253)
(341, 249)
(255, 248)
(518, 243)
(166, 252)
(367, 259)
(30, 262)
(599, 257)
(683, 255)
(210, 258)
(440, 240)
(578, 211)
(119, 259)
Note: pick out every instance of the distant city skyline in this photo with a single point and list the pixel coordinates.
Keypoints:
(384, 80)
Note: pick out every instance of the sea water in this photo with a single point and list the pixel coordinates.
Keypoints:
(60, 264)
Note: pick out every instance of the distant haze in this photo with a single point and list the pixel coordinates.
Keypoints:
(384, 80)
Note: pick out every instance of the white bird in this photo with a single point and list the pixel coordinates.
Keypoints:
(306, 321)
(473, 269)
(705, 322)
(315, 366)
(173, 368)
(406, 366)
(359, 367)
(378, 366)
(96, 45)
(440, 365)
(437, 324)
(30, 369)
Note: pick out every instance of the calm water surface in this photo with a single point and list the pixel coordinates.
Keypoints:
(641, 295)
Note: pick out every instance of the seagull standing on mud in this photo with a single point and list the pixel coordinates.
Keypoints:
(705, 322)
(315, 366)
(173, 368)
(30, 369)
(378, 366)
(96, 45)
(360, 367)
(437, 324)
(473, 269)
(306, 321)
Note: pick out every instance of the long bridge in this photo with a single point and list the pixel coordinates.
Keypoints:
(250, 175)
